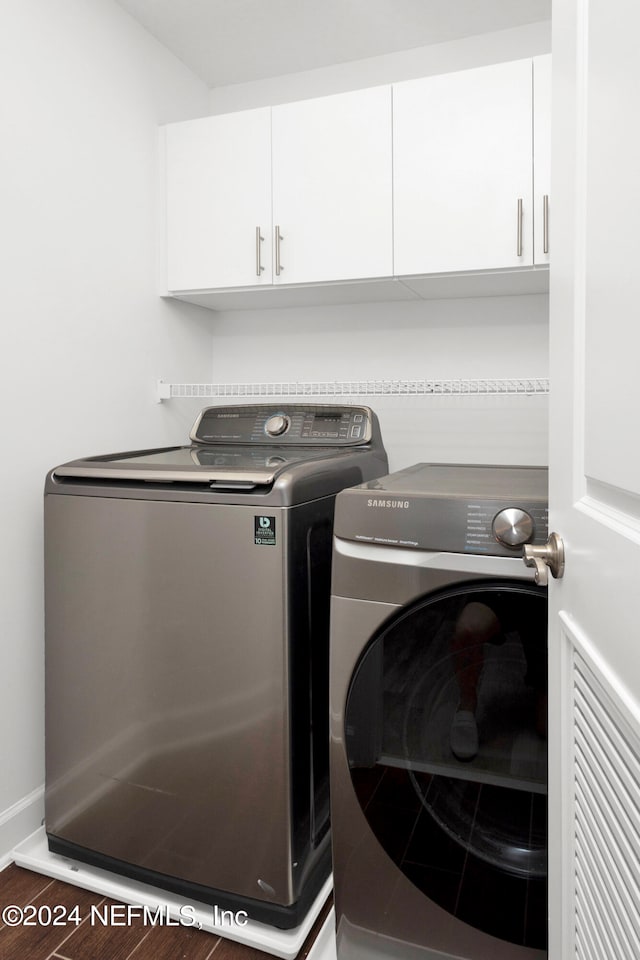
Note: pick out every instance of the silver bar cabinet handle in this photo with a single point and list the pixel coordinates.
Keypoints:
(519, 238)
(259, 239)
(545, 223)
(279, 237)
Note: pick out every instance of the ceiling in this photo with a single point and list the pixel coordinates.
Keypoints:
(234, 41)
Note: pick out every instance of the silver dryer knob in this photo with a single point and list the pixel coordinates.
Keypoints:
(275, 426)
(513, 527)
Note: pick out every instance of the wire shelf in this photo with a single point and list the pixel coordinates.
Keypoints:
(354, 388)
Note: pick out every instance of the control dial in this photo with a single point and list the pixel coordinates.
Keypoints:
(512, 527)
(277, 425)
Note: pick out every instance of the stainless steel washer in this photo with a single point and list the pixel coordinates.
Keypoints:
(438, 716)
(187, 608)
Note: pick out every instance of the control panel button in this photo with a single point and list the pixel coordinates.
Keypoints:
(277, 425)
(355, 432)
(512, 527)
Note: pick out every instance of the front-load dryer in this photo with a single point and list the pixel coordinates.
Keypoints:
(187, 647)
(438, 716)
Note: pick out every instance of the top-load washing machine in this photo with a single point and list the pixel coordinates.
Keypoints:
(438, 716)
(187, 631)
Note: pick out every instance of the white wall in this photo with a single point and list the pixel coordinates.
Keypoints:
(84, 334)
(500, 337)
(469, 338)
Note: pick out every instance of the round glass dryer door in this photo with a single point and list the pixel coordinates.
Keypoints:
(446, 736)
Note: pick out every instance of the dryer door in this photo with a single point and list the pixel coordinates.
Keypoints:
(445, 732)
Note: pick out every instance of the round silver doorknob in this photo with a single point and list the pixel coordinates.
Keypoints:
(275, 426)
(512, 527)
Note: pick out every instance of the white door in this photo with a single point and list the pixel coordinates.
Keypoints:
(541, 158)
(332, 187)
(462, 170)
(594, 637)
(218, 188)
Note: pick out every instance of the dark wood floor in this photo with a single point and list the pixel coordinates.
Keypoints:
(87, 941)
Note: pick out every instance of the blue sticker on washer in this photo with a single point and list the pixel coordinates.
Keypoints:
(264, 531)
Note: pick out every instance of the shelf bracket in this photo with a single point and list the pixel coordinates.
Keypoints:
(163, 391)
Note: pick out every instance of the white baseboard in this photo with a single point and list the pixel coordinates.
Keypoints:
(18, 821)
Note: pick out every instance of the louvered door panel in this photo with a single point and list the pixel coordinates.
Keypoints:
(607, 824)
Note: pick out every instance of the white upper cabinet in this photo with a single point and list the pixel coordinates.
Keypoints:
(541, 156)
(444, 175)
(332, 183)
(218, 188)
(463, 170)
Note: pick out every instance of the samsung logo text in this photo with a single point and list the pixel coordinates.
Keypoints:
(389, 504)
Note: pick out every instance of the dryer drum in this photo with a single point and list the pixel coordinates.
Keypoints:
(463, 819)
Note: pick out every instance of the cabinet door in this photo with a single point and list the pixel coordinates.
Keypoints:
(541, 156)
(462, 163)
(218, 174)
(332, 187)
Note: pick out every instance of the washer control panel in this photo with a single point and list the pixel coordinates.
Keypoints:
(294, 424)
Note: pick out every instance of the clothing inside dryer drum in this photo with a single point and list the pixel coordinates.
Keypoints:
(446, 738)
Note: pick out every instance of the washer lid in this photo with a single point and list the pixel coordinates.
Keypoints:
(224, 465)
(295, 451)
